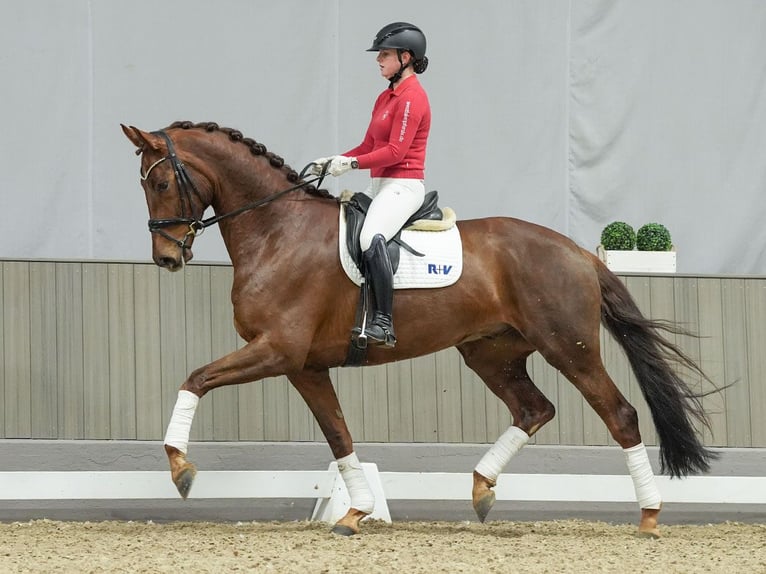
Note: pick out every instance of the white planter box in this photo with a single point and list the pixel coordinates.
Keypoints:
(638, 261)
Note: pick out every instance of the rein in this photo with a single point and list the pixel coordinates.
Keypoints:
(186, 187)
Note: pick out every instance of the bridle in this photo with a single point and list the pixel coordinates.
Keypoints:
(186, 187)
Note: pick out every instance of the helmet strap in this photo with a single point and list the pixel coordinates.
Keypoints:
(398, 75)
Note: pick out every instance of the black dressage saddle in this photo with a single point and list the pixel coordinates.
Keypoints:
(356, 210)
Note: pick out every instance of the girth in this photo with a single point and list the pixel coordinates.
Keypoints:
(356, 211)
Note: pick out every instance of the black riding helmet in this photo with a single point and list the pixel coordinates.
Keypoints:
(402, 37)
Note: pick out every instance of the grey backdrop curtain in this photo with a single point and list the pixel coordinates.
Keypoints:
(570, 114)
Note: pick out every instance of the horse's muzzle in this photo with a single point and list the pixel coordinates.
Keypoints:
(173, 262)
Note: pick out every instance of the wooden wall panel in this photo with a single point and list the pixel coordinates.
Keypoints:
(375, 403)
(18, 359)
(70, 353)
(738, 431)
(98, 351)
(755, 311)
(100, 379)
(425, 423)
(43, 393)
(151, 411)
(5, 359)
(400, 402)
(448, 398)
(122, 351)
(712, 357)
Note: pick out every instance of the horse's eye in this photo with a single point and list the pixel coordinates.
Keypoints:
(162, 186)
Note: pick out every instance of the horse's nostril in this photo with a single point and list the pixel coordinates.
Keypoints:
(167, 262)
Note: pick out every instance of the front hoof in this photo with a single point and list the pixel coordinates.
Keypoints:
(484, 505)
(483, 496)
(181, 470)
(185, 480)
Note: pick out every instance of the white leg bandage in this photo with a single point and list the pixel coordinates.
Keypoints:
(501, 453)
(177, 434)
(361, 495)
(640, 469)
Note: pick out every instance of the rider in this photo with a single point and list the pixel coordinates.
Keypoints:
(394, 150)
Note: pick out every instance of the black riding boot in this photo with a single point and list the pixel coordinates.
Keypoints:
(379, 273)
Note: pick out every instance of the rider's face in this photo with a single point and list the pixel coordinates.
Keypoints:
(389, 63)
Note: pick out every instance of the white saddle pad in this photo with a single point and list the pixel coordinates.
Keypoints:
(441, 266)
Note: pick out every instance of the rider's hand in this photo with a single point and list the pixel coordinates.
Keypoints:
(318, 164)
(340, 164)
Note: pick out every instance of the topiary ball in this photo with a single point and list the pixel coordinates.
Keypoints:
(653, 237)
(618, 236)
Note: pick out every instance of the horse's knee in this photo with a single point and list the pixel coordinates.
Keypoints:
(195, 382)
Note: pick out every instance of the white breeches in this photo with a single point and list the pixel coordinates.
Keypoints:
(394, 200)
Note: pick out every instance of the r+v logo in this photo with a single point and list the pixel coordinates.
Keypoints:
(434, 269)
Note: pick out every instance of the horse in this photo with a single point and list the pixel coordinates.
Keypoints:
(524, 288)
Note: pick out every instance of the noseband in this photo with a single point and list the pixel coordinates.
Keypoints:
(186, 187)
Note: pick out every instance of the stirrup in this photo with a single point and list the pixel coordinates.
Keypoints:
(359, 338)
(378, 336)
(366, 339)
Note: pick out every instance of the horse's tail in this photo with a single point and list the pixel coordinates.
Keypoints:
(672, 402)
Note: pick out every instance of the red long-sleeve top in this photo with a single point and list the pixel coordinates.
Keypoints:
(395, 142)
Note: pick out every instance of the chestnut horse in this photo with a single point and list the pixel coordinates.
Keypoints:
(524, 288)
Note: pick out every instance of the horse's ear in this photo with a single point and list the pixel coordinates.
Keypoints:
(142, 140)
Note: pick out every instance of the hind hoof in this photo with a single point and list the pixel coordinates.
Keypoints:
(349, 524)
(647, 528)
(342, 530)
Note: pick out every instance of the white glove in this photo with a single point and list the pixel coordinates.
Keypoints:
(340, 164)
(318, 164)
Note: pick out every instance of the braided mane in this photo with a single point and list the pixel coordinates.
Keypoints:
(256, 149)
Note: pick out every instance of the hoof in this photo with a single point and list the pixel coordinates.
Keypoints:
(185, 480)
(484, 505)
(349, 524)
(342, 530)
(181, 470)
(647, 528)
(483, 496)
